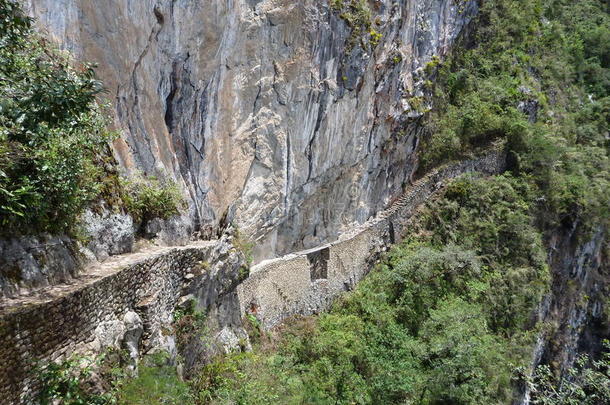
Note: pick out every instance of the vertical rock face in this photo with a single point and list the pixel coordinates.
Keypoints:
(270, 114)
(575, 312)
(579, 263)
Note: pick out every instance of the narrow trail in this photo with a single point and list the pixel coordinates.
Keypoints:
(114, 264)
(54, 322)
(93, 274)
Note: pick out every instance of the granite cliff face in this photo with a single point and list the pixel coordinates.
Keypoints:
(274, 115)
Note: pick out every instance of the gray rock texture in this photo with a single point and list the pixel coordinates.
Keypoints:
(28, 263)
(307, 282)
(109, 233)
(264, 111)
(37, 261)
(576, 307)
(130, 300)
(127, 302)
(133, 334)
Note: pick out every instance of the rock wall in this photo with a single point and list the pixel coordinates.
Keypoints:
(28, 263)
(578, 305)
(577, 310)
(31, 262)
(128, 302)
(269, 113)
(307, 282)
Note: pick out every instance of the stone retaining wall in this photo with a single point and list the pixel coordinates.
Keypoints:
(306, 282)
(93, 316)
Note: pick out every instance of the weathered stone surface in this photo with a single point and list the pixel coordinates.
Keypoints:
(262, 110)
(307, 282)
(28, 263)
(133, 332)
(36, 261)
(176, 230)
(579, 270)
(127, 302)
(31, 262)
(109, 233)
(132, 299)
(108, 334)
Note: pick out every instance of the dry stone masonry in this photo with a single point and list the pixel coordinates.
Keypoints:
(129, 301)
(306, 282)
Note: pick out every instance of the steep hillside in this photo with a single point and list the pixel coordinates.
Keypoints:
(282, 117)
(502, 283)
(406, 202)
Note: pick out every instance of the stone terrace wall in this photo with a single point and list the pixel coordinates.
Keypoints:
(306, 282)
(81, 319)
(91, 314)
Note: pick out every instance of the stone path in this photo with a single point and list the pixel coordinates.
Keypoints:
(58, 320)
(92, 274)
(119, 262)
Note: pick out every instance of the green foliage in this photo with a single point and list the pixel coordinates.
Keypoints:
(375, 37)
(447, 315)
(538, 77)
(254, 328)
(245, 246)
(443, 319)
(189, 325)
(432, 65)
(146, 198)
(357, 15)
(51, 132)
(157, 383)
(587, 383)
(467, 362)
(69, 383)
(79, 380)
(493, 218)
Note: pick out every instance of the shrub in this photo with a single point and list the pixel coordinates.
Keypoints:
(146, 198)
(157, 383)
(357, 15)
(245, 246)
(69, 382)
(51, 131)
(552, 57)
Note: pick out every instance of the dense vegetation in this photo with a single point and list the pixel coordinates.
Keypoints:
(146, 198)
(445, 319)
(52, 135)
(449, 316)
(54, 154)
(538, 76)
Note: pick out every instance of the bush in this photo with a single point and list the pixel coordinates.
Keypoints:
(243, 244)
(70, 383)
(442, 320)
(357, 15)
(146, 198)
(157, 383)
(51, 131)
(551, 56)
(587, 383)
